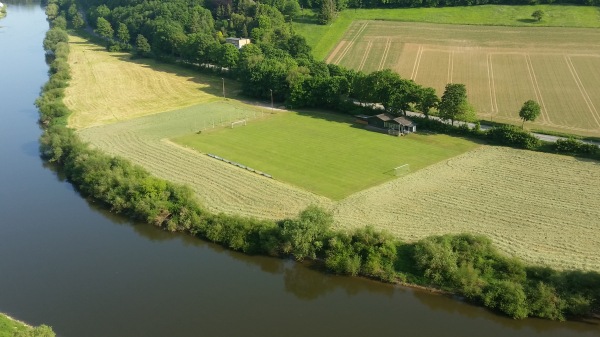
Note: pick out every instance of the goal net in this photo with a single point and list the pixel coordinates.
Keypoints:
(401, 170)
(238, 123)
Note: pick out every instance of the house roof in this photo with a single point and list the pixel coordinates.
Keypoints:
(404, 121)
(400, 120)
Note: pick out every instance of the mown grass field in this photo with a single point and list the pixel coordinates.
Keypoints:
(541, 207)
(323, 38)
(324, 153)
(110, 87)
(502, 67)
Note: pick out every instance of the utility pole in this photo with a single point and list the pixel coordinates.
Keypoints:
(223, 79)
(271, 98)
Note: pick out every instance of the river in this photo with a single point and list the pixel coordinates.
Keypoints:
(66, 263)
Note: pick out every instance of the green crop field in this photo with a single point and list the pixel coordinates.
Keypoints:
(502, 67)
(324, 153)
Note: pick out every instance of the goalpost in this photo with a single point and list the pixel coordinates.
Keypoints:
(401, 170)
(240, 122)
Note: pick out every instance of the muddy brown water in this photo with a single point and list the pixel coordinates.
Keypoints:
(66, 263)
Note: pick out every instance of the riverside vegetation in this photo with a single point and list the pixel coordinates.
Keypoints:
(12, 328)
(465, 264)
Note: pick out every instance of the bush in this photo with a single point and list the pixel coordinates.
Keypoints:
(572, 146)
(507, 297)
(511, 135)
(304, 237)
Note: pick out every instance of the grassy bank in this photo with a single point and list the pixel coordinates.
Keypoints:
(10, 327)
(323, 38)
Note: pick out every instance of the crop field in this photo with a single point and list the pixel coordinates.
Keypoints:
(322, 38)
(324, 153)
(110, 87)
(502, 67)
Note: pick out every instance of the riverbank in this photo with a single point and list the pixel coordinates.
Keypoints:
(10, 327)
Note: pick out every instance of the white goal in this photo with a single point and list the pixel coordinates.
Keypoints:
(238, 123)
(402, 170)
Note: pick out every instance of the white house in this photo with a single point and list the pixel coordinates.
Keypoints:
(238, 42)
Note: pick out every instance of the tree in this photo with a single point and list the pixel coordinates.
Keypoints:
(228, 55)
(291, 9)
(327, 12)
(52, 11)
(123, 33)
(104, 29)
(454, 104)
(538, 15)
(77, 21)
(428, 100)
(529, 112)
(303, 237)
(53, 37)
(142, 45)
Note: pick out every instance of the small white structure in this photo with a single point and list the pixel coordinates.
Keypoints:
(238, 42)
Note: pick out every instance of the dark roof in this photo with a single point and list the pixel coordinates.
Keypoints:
(404, 121)
(400, 120)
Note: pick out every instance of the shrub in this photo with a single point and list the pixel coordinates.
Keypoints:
(511, 135)
(507, 297)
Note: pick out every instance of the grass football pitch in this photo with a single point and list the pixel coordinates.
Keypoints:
(324, 153)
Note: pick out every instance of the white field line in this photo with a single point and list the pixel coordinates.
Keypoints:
(493, 97)
(365, 55)
(582, 90)
(536, 88)
(360, 30)
(388, 44)
(417, 62)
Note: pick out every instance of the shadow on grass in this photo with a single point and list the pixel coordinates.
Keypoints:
(528, 20)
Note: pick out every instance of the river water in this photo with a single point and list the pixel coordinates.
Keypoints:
(68, 264)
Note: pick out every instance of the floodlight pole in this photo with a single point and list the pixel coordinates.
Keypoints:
(223, 79)
(271, 98)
